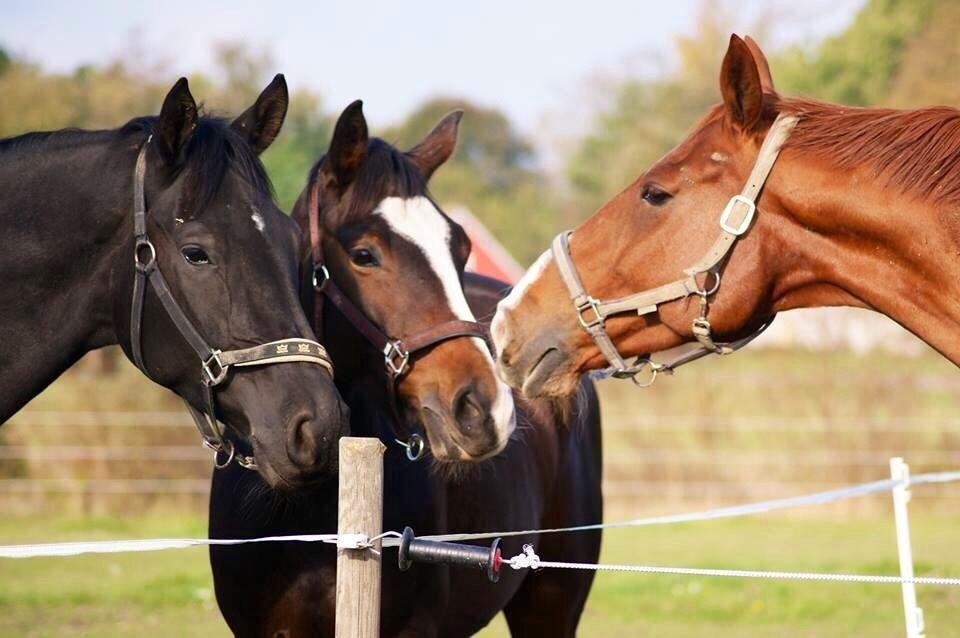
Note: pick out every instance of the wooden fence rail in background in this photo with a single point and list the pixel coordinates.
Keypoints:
(48, 458)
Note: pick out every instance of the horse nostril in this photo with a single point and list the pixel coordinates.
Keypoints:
(468, 411)
(306, 442)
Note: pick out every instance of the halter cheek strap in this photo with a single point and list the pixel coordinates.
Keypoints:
(214, 364)
(396, 352)
(735, 221)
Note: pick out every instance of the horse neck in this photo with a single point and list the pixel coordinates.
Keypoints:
(864, 243)
(65, 207)
(359, 377)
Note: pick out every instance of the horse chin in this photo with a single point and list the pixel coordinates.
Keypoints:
(281, 482)
(460, 468)
(550, 378)
(452, 462)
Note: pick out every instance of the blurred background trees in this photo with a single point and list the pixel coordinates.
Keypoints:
(896, 52)
(798, 422)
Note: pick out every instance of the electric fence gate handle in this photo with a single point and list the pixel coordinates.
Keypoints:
(415, 550)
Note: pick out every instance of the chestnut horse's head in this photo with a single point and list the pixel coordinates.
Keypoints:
(649, 235)
(399, 261)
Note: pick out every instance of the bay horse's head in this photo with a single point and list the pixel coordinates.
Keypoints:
(230, 259)
(399, 261)
(653, 234)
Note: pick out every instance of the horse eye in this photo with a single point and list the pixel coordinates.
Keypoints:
(655, 196)
(195, 255)
(364, 258)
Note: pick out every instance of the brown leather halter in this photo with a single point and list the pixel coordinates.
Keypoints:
(214, 364)
(735, 221)
(397, 352)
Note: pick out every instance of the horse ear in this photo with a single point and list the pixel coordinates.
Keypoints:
(348, 148)
(177, 121)
(763, 67)
(437, 147)
(740, 85)
(260, 124)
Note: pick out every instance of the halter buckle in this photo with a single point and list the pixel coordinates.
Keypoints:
(395, 357)
(214, 370)
(589, 304)
(747, 218)
(247, 462)
(322, 271)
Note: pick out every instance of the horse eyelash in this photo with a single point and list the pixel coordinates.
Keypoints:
(655, 196)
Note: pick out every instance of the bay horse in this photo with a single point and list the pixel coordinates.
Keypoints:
(399, 261)
(162, 236)
(861, 208)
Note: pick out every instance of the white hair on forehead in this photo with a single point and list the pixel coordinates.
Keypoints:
(417, 220)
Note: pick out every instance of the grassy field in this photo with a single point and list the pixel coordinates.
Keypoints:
(763, 424)
(170, 593)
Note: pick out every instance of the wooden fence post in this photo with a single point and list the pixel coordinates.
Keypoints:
(360, 512)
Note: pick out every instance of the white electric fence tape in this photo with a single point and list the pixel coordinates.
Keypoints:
(529, 560)
(391, 539)
(819, 498)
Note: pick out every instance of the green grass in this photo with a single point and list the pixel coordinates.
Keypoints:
(170, 593)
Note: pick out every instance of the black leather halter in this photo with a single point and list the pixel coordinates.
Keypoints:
(214, 364)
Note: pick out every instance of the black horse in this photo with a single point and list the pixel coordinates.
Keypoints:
(394, 253)
(207, 220)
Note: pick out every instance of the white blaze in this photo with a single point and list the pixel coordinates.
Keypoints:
(418, 221)
(499, 326)
(257, 219)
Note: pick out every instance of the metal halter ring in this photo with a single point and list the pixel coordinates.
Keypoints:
(320, 270)
(209, 377)
(634, 371)
(143, 242)
(230, 451)
(415, 447)
(395, 357)
(703, 292)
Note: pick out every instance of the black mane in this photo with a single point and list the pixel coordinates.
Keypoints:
(213, 150)
(65, 136)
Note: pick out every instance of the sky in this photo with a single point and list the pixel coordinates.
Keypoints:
(525, 57)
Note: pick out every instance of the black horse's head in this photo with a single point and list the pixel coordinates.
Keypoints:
(230, 257)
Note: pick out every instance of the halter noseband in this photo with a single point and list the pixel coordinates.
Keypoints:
(214, 364)
(735, 221)
(396, 352)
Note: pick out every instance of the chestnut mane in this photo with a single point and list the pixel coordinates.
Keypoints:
(916, 150)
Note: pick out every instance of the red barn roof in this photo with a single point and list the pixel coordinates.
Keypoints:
(488, 256)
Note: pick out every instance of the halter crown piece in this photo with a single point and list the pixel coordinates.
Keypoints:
(214, 364)
(735, 221)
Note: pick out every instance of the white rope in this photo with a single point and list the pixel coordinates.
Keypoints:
(391, 539)
(529, 560)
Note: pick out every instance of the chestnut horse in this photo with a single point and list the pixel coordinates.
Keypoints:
(862, 208)
(399, 263)
(162, 236)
